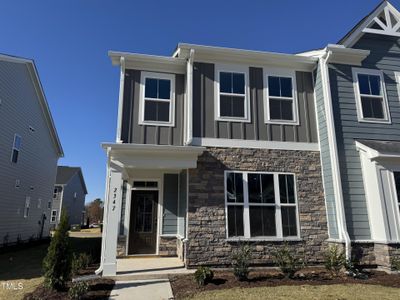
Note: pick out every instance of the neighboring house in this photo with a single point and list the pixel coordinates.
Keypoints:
(217, 146)
(69, 193)
(29, 151)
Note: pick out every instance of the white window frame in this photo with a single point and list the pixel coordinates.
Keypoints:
(15, 148)
(55, 216)
(171, 101)
(27, 206)
(246, 211)
(295, 106)
(386, 112)
(232, 69)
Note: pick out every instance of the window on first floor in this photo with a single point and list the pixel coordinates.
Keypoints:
(261, 205)
(53, 216)
(27, 206)
(16, 148)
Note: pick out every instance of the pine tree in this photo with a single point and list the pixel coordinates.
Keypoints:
(57, 263)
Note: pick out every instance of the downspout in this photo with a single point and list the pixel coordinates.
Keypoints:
(121, 98)
(337, 182)
(189, 98)
(105, 216)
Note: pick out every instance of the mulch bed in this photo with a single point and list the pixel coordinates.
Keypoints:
(184, 285)
(98, 289)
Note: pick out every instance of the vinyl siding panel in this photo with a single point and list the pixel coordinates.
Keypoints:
(325, 158)
(384, 56)
(37, 163)
(205, 125)
(74, 206)
(170, 204)
(132, 132)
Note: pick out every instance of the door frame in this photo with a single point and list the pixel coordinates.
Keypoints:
(128, 208)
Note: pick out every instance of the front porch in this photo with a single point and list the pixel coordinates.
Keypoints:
(146, 207)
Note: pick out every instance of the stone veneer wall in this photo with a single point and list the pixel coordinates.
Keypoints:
(206, 212)
(167, 246)
(121, 246)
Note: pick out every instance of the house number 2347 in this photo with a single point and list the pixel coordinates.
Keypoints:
(114, 198)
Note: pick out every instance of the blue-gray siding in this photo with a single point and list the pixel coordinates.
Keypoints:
(385, 56)
(205, 125)
(325, 158)
(132, 132)
(74, 205)
(37, 163)
(170, 204)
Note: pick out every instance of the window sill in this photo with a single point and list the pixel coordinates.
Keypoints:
(375, 121)
(238, 240)
(277, 122)
(160, 124)
(228, 119)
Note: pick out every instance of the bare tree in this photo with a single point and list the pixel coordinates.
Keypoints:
(94, 211)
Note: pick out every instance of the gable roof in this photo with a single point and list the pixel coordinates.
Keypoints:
(384, 19)
(65, 173)
(41, 96)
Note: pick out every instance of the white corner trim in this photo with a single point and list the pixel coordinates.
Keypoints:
(167, 76)
(232, 69)
(189, 99)
(120, 99)
(360, 117)
(236, 143)
(267, 72)
(330, 124)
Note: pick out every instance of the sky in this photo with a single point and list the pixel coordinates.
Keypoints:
(69, 41)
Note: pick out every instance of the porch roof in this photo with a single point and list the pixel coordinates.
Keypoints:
(379, 149)
(153, 156)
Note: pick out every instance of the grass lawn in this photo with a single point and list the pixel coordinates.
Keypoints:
(305, 292)
(24, 266)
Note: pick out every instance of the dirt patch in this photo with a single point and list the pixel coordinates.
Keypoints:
(184, 286)
(98, 289)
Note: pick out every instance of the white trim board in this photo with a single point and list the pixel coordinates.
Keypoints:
(236, 143)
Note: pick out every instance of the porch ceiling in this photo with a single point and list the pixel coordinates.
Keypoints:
(152, 157)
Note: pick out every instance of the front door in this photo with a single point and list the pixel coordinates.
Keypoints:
(143, 223)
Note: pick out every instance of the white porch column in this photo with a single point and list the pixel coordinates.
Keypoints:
(112, 213)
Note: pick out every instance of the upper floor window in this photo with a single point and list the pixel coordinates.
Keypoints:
(261, 205)
(56, 192)
(157, 103)
(231, 94)
(371, 101)
(281, 100)
(16, 148)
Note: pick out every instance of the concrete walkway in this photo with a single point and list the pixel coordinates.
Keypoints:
(156, 289)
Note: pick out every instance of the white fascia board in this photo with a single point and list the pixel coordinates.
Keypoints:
(254, 144)
(374, 155)
(340, 54)
(150, 147)
(249, 57)
(149, 62)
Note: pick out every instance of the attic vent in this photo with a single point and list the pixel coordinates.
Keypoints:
(17, 183)
(387, 23)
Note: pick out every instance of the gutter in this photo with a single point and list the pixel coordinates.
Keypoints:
(189, 98)
(121, 98)
(337, 183)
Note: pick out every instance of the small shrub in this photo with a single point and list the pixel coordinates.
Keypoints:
(57, 263)
(78, 290)
(203, 275)
(80, 262)
(395, 263)
(287, 261)
(353, 271)
(335, 260)
(241, 262)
